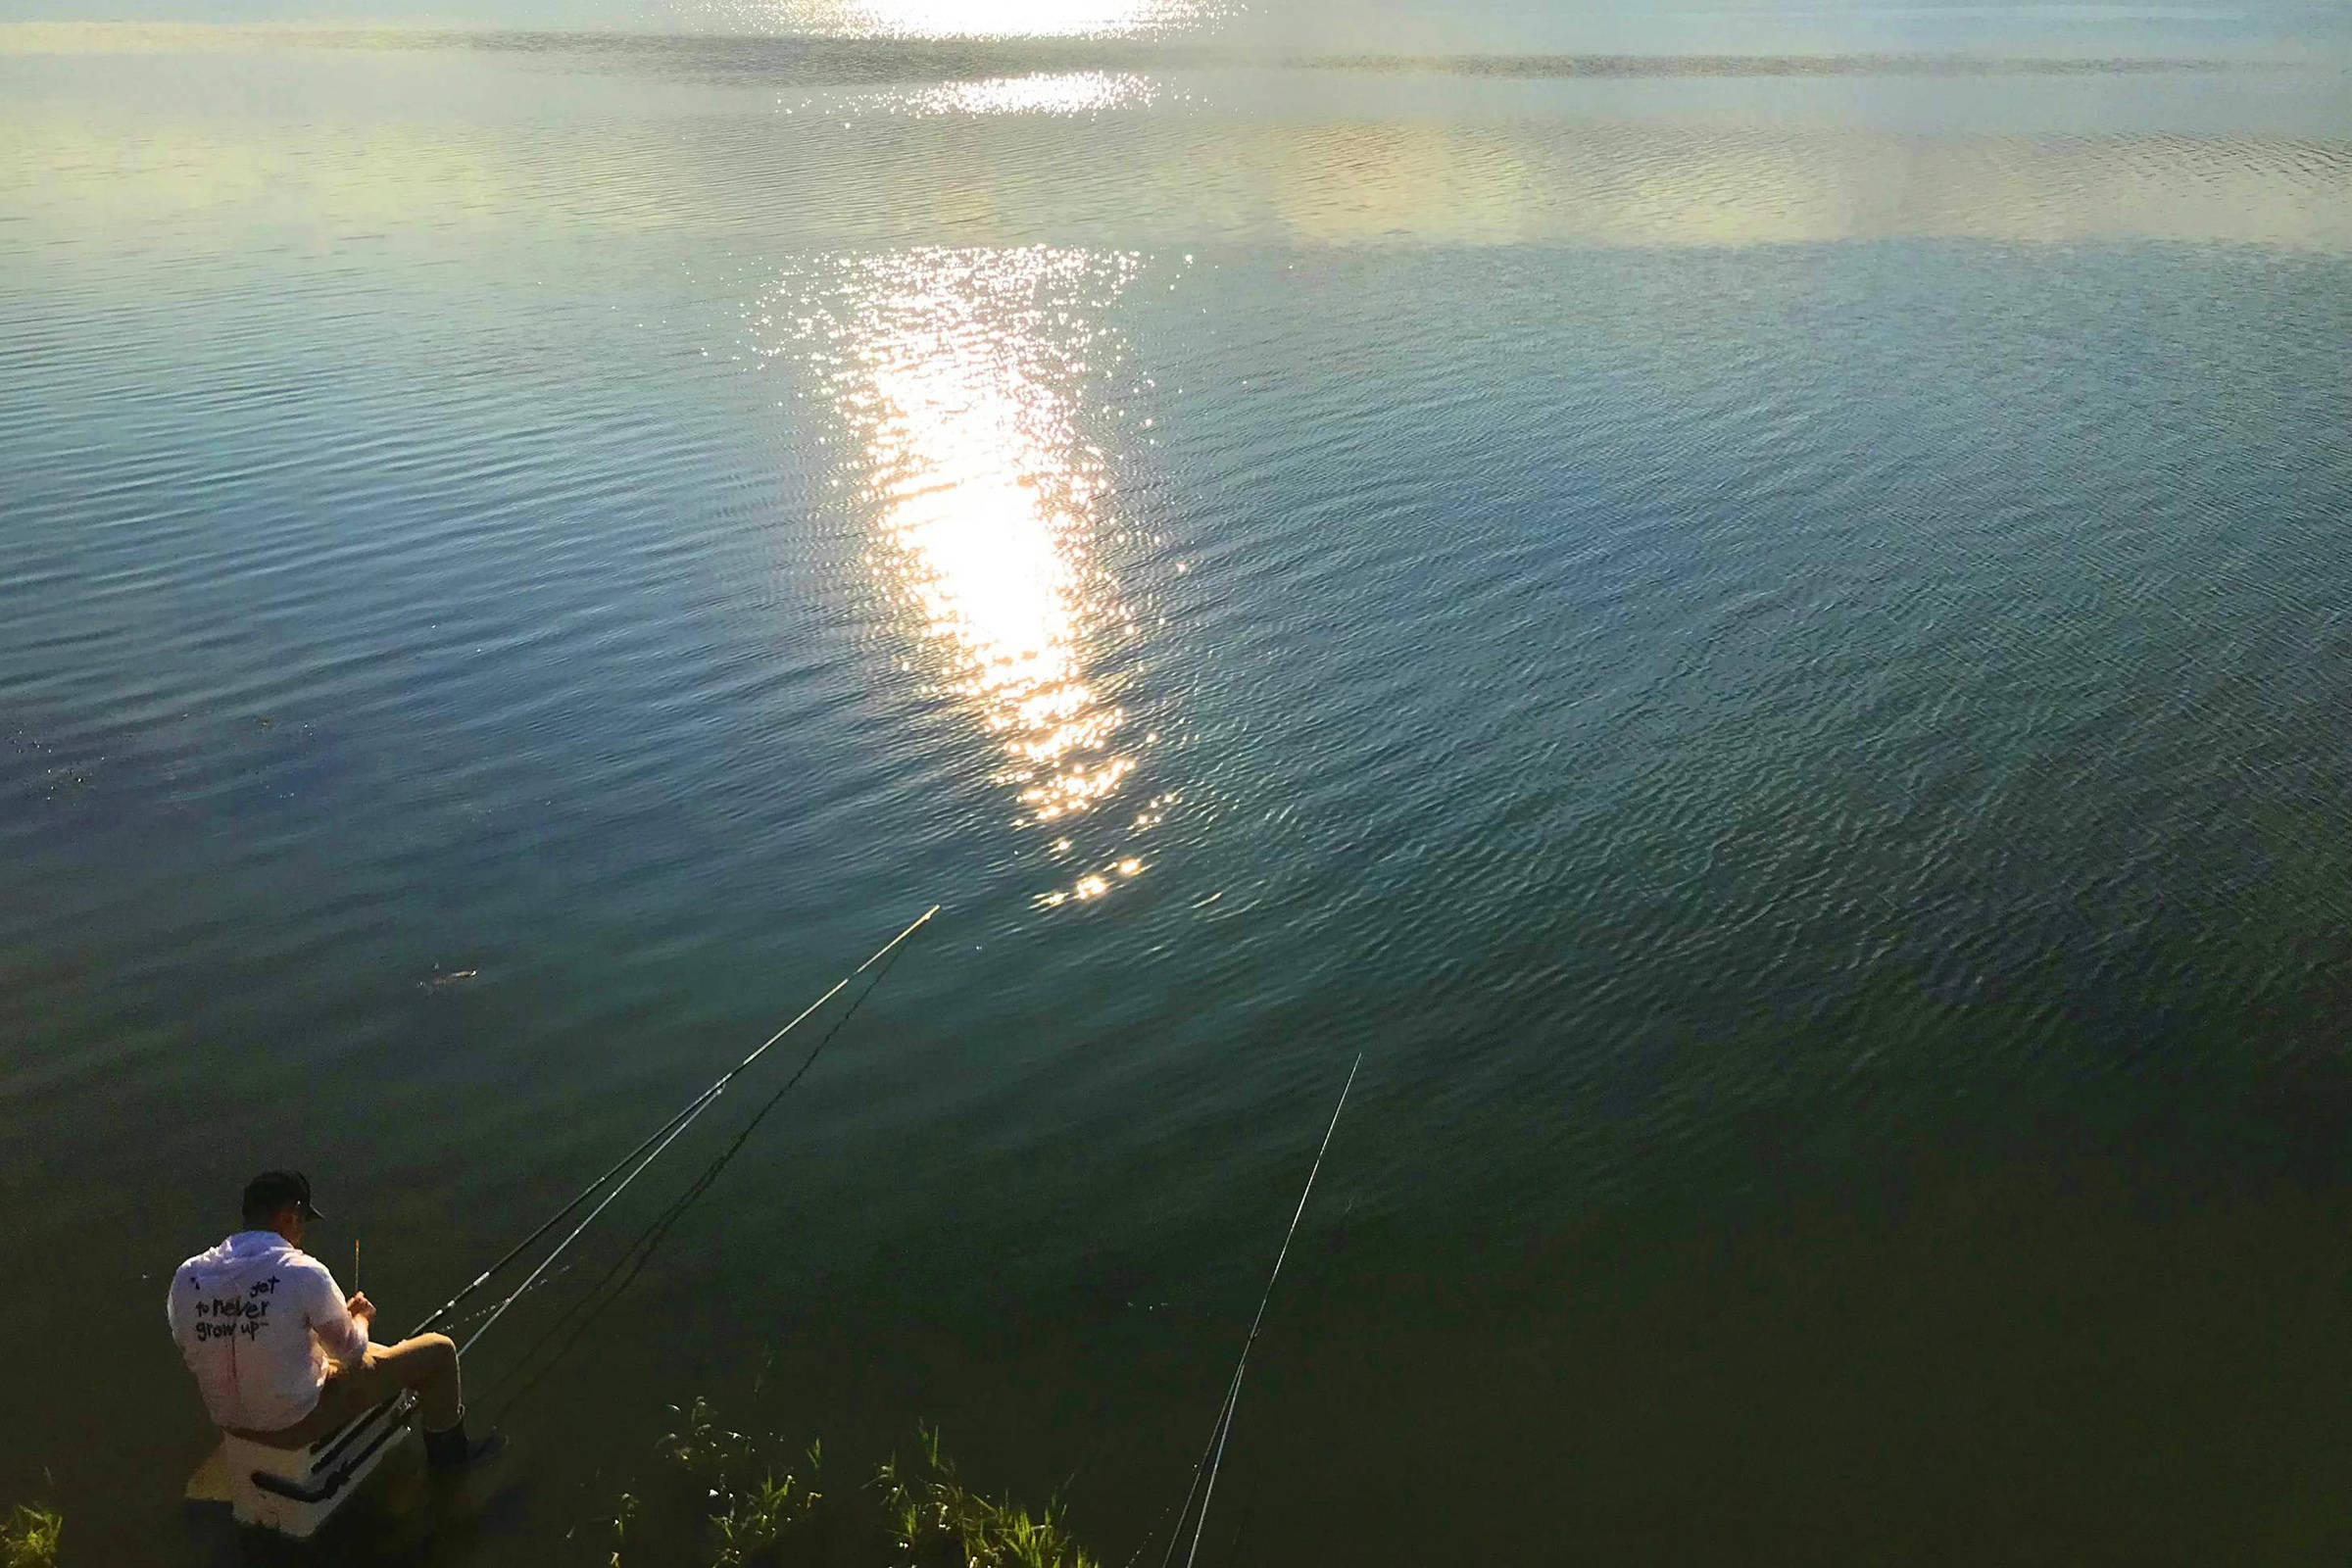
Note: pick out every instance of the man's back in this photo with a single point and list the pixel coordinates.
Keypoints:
(244, 1313)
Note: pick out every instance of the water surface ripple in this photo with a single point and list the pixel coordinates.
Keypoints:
(1768, 638)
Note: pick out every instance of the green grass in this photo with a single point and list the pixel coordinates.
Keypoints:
(759, 1499)
(935, 1518)
(735, 1500)
(28, 1538)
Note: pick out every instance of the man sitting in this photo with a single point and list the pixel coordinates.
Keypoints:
(282, 1358)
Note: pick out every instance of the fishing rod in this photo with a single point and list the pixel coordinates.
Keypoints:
(583, 1314)
(661, 1139)
(1213, 1456)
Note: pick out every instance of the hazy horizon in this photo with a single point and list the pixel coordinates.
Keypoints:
(2268, 29)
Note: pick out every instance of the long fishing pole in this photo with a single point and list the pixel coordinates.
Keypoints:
(633, 1258)
(1214, 1455)
(662, 1136)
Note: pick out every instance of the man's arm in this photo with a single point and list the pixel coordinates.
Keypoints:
(340, 1329)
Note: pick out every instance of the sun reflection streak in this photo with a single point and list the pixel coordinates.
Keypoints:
(969, 19)
(963, 374)
(1071, 92)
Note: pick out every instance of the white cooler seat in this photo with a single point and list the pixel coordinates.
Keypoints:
(297, 1490)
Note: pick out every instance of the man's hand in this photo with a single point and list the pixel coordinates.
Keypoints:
(361, 1307)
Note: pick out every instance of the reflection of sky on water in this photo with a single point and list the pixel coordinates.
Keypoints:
(205, 137)
(962, 374)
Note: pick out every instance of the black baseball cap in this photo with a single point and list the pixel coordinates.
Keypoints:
(273, 1189)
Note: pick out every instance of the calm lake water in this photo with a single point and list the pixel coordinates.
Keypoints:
(1771, 643)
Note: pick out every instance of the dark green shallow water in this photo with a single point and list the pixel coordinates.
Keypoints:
(1774, 652)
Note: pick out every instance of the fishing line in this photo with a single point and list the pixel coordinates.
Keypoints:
(661, 1139)
(1214, 1455)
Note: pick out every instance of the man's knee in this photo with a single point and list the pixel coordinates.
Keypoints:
(430, 1355)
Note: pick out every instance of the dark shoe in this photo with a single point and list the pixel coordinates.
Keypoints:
(453, 1451)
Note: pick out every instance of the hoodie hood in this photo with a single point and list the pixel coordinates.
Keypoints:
(242, 1258)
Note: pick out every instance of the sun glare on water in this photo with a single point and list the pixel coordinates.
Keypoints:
(1068, 92)
(958, 19)
(962, 375)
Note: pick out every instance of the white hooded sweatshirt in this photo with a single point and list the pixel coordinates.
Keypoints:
(260, 1322)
